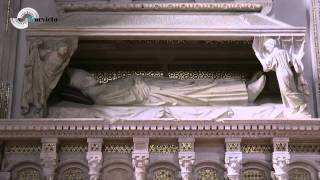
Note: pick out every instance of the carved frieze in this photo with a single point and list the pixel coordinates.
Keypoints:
(118, 148)
(163, 148)
(23, 148)
(200, 7)
(256, 148)
(73, 148)
(304, 148)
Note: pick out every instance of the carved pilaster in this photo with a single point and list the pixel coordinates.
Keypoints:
(48, 157)
(94, 157)
(233, 158)
(186, 157)
(140, 157)
(280, 158)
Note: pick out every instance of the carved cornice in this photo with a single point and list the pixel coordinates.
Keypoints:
(200, 7)
(100, 128)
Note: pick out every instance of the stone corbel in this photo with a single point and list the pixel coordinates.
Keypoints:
(280, 158)
(94, 157)
(186, 157)
(47, 59)
(49, 157)
(233, 158)
(140, 157)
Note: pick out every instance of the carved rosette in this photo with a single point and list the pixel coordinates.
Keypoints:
(140, 161)
(48, 157)
(94, 157)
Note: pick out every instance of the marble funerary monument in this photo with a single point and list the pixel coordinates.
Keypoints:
(153, 90)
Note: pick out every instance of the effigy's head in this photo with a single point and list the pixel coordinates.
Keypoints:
(269, 44)
(81, 79)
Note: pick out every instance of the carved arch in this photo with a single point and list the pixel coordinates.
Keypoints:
(73, 168)
(30, 169)
(213, 168)
(260, 169)
(165, 168)
(117, 169)
(301, 166)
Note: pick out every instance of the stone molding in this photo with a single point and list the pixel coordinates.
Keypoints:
(100, 128)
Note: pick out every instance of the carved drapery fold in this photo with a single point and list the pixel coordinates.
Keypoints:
(46, 61)
(284, 56)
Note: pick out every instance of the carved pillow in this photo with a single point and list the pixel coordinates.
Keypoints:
(73, 94)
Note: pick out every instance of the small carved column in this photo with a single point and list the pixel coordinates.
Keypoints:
(233, 158)
(140, 157)
(94, 157)
(49, 157)
(280, 158)
(186, 157)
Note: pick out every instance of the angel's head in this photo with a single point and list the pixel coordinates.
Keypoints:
(270, 44)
